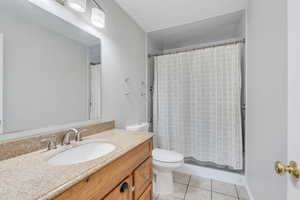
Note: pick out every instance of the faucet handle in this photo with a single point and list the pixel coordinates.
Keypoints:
(51, 142)
(75, 130)
(78, 136)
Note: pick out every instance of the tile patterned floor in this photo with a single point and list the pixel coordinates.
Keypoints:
(189, 187)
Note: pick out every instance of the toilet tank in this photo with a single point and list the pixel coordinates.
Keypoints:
(138, 127)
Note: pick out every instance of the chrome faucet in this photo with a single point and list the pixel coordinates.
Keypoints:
(77, 135)
(66, 138)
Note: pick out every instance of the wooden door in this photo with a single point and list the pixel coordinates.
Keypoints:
(293, 136)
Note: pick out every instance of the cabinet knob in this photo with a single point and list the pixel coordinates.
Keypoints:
(124, 187)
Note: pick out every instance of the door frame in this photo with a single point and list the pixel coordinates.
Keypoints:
(1, 80)
(293, 62)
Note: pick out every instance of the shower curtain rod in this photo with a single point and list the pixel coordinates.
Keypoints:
(204, 47)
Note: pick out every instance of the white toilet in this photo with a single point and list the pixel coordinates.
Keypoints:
(164, 163)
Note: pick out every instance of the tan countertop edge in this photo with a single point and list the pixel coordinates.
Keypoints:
(117, 136)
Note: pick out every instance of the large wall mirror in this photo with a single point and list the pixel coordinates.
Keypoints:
(50, 71)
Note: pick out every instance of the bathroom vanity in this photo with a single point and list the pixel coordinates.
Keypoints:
(127, 178)
(123, 174)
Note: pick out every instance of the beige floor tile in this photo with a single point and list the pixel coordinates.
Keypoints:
(224, 188)
(197, 194)
(155, 197)
(179, 190)
(200, 182)
(179, 193)
(218, 196)
(181, 178)
(242, 192)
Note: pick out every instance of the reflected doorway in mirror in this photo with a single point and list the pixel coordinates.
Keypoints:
(95, 91)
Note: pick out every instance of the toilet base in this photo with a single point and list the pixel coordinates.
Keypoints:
(163, 183)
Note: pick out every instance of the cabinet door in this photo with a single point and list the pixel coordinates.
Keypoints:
(147, 195)
(123, 192)
(142, 177)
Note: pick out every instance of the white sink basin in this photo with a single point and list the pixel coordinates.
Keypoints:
(82, 153)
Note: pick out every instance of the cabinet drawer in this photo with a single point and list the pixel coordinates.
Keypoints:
(99, 184)
(147, 195)
(142, 177)
(124, 191)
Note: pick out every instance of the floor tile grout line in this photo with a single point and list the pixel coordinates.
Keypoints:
(188, 185)
(228, 195)
(211, 192)
(224, 194)
(236, 190)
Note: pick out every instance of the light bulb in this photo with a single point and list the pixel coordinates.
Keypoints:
(98, 17)
(77, 5)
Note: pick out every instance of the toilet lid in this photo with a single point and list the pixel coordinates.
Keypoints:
(166, 156)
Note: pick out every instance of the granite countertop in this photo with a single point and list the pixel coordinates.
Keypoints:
(30, 177)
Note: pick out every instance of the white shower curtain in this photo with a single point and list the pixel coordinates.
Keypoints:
(95, 97)
(197, 104)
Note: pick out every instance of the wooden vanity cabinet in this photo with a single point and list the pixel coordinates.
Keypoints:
(127, 178)
(147, 195)
(142, 177)
(123, 192)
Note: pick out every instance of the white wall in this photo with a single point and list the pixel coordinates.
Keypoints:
(123, 55)
(45, 76)
(266, 97)
(217, 28)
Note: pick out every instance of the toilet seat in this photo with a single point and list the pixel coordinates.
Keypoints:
(166, 165)
(167, 157)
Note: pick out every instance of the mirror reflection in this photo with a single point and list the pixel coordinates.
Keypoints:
(51, 69)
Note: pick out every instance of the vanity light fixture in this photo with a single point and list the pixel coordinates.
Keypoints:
(97, 13)
(98, 16)
(77, 5)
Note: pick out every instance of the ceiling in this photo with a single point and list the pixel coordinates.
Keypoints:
(224, 27)
(154, 15)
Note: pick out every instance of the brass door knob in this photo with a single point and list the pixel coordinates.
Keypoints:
(292, 169)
